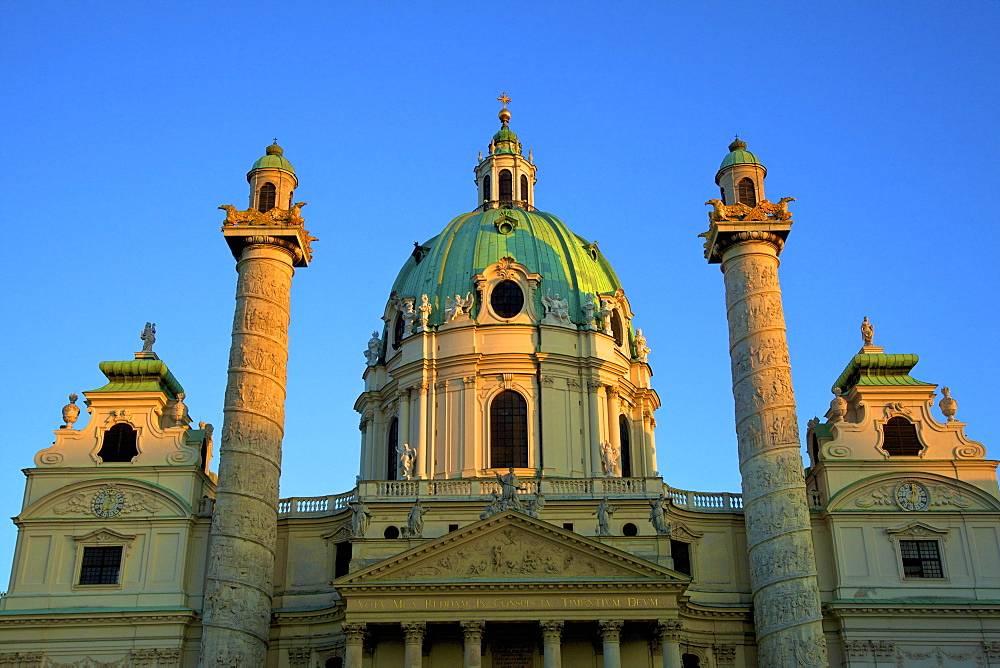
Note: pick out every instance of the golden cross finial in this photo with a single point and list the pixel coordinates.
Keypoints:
(503, 98)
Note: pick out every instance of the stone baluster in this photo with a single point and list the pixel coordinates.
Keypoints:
(414, 651)
(472, 642)
(552, 643)
(611, 631)
(787, 611)
(670, 640)
(354, 640)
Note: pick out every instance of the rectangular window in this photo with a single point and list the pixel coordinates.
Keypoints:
(101, 565)
(921, 559)
(342, 564)
(681, 552)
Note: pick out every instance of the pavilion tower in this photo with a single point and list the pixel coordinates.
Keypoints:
(268, 242)
(746, 237)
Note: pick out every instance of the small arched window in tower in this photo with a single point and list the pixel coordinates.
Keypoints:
(391, 448)
(506, 187)
(507, 299)
(625, 438)
(487, 188)
(617, 329)
(745, 192)
(119, 444)
(397, 332)
(524, 188)
(266, 197)
(900, 438)
(508, 431)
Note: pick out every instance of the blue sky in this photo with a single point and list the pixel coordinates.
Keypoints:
(125, 125)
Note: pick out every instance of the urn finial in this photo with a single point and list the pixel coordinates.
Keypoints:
(948, 405)
(838, 406)
(70, 412)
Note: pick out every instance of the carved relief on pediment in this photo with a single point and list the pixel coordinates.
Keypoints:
(895, 495)
(106, 500)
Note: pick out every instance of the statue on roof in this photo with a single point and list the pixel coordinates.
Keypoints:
(407, 456)
(425, 309)
(454, 308)
(867, 332)
(374, 348)
(604, 512)
(509, 487)
(148, 336)
(360, 518)
(556, 309)
(415, 521)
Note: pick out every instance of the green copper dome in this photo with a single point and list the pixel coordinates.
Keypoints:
(274, 159)
(505, 142)
(739, 155)
(570, 265)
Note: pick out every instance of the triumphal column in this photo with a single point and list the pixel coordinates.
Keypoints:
(268, 241)
(746, 234)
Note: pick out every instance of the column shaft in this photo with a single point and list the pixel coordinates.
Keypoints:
(354, 633)
(593, 408)
(552, 643)
(670, 637)
(414, 649)
(614, 434)
(404, 436)
(786, 601)
(238, 584)
(424, 463)
(472, 637)
(611, 638)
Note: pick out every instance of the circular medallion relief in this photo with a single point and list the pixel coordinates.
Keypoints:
(109, 502)
(911, 495)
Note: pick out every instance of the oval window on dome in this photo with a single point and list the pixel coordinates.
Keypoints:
(617, 330)
(507, 299)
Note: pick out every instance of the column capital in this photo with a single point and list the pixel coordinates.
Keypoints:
(414, 631)
(551, 630)
(354, 632)
(611, 629)
(611, 390)
(472, 631)
(723, 235)
(670, 629)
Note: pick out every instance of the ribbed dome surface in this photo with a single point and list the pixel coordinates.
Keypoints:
(739, 157)
(273, 162)
(539, 241)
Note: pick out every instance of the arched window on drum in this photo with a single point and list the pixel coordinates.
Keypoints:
(508, 431)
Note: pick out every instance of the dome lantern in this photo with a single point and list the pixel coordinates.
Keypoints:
(741, 176)
(272, 180)
(505, 179)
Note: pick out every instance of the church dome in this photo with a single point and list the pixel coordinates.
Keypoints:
(274, 158)
(445, 265)
(739, 155)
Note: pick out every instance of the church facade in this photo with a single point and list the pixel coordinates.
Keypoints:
(509, 511)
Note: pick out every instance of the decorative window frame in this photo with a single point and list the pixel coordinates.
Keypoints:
(618, 302)
(917, 530)
(486, 397)
(117, 416)
(507, 269)
(100, 538)
(899, 410)
(682, 534)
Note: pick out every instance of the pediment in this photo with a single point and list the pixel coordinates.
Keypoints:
(139, 499)
(512, 546)
(944, 494)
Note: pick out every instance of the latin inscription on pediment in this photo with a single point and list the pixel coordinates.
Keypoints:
(511, 552)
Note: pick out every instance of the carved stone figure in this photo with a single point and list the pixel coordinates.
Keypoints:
(495, 506)
(722, 211)
(609, 460)
(374, 348)
(556, 309)
(415, 521)
(604, 512)
(607, 308)
(360, 518)
(295, 215)
(535, 505)
(867, 332)
(71, 412)
(657, 517)
(947, 405)
(407, 457)
(777, 209)
(509, 487)
(178, 410)
(589, 311)
(641, 349)
(838, 406)
(148, 336)
(425, 309)
(408, 315)
(456, 307)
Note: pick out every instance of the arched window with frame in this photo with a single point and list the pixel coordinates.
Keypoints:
(524, 188)
(900, 438)
(487, 188)
(392, 448)
(506, 187)
(746, 193)
(119, 444)
(266, 197)
(397, 331)
(617, 328)
(508, 431)
(625, 438)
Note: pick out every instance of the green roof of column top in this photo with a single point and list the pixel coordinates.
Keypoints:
(739, 155)
(472, 242)
(505, 142)
(873, 369)
(274, 159)
(139, 376)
